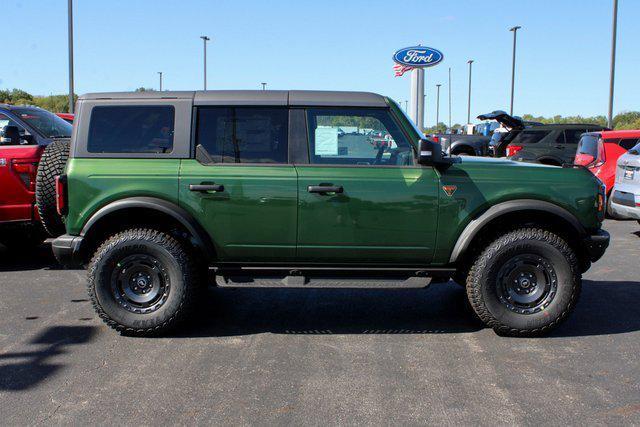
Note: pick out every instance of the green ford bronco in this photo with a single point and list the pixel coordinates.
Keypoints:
(166, 190)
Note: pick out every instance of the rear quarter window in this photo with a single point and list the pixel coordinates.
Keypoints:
(131, 129)
(530, 136)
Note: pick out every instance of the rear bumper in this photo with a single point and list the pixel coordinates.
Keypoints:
(596, 244)
(66, 249)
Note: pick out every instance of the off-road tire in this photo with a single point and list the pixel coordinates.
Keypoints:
(176, 261)
(482, 282)
(52, 164)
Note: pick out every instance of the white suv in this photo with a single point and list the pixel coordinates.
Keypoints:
(625, 197)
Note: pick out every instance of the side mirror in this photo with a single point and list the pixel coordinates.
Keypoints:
(430, 152)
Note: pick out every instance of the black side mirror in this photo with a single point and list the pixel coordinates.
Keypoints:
(430, 152)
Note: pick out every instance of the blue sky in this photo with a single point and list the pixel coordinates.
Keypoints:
(562, 68)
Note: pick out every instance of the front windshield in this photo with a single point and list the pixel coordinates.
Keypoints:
(46, 123)
(635, 150)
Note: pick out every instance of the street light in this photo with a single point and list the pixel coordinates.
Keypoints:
(264, 86)
(613, 63)
(437, 105)
(449, 98)
(160, 74)
(70, 35)
(406, 106)
(469, 99)
(513, 64)
(205, 39)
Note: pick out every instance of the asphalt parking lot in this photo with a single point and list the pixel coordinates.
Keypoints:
(317, 356)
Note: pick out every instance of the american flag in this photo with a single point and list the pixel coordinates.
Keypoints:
(400, 69)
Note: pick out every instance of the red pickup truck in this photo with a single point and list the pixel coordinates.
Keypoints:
(25, 132)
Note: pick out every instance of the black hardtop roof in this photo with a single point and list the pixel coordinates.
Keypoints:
(254, 97)
(13, 107)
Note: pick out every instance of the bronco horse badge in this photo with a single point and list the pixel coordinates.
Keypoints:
(449, 189)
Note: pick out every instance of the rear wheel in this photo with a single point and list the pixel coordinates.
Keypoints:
(143, 282)
(52, 164)
(524, 283)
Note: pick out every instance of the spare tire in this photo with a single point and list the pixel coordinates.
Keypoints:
(52, 164)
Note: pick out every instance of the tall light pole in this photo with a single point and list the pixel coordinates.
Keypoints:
(406, 105)
(70, 35)
(469, 99)
(264, 86)
(513, 64)
(160, 74)
(613, 63)
(437, 105)
(205, 39)
(449, 98)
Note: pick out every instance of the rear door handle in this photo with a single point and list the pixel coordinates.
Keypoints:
(206, 187)
(323, 189)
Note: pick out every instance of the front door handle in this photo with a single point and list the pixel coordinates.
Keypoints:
(206, 187)
(323, 189)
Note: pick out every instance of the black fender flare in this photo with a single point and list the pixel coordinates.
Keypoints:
(200, 236)
(474, 227)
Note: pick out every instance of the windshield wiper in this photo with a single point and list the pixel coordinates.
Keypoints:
(59, 136)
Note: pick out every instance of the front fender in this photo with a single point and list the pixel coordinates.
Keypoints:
(495, 211)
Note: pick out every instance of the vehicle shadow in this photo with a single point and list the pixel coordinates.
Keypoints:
(33, 367)
(32, 259)
(243, 311)
(603, 309)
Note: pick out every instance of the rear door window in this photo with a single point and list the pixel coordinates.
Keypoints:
(530, 136)
(131, 129)
(572, 136)
(243, 134)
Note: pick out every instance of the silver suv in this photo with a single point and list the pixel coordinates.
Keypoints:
(625, 197)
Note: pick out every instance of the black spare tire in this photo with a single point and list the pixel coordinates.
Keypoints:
(52, 164)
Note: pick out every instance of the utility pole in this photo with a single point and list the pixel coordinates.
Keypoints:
(70, 35)
(406, 105)
(613, 63)
(205, 39)
(449, 98)
(469, 99)
(437, 105)
(513, 65)
(160, 74)
(264, 86)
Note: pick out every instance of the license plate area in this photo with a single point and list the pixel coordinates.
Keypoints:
(629, 173)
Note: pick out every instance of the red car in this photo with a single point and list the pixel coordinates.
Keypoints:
(599, 152)
(25, 132)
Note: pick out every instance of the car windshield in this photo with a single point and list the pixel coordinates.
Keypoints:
(635, 150)
(588, 145)
(46, 123)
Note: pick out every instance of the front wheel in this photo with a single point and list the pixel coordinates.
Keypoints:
(524, 283)
(143, 282)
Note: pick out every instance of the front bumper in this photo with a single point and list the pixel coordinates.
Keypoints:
(66, 249)
(596, 244)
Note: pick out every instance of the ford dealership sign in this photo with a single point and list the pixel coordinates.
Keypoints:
(418, 56)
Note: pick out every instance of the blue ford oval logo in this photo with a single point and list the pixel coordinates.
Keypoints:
(418, 56)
